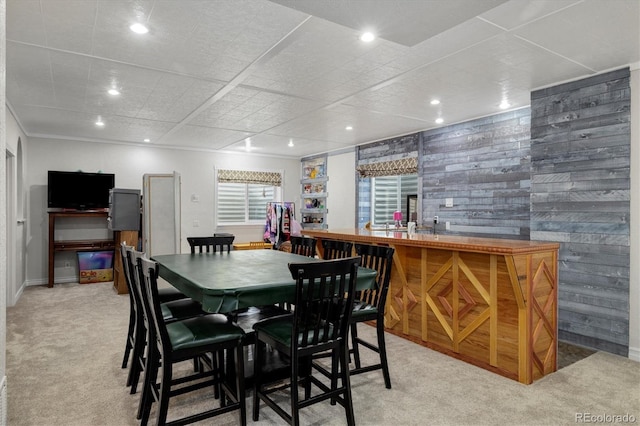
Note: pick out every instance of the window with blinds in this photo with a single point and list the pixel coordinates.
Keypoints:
(240, 203)
(388, 194)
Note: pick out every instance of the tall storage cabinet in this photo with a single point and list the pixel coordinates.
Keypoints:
(314, 193)
(124, 221)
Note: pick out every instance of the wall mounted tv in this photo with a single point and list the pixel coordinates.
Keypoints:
(78, 190)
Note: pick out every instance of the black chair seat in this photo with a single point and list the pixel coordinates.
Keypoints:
(280, 329)
(199, 331)
(169, 293)
(246, 318)
(363, 311)
(181, 309)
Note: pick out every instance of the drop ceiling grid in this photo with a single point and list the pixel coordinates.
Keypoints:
(590, 24)
(320, 79)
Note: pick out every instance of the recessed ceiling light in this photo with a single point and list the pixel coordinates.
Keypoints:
(147, 140)
(504, 104)
(367, 37)
(290, 145)
(99, 123)
(435, 101)
(439, 120)
(113, 92)
(349, 128)
(139, 28)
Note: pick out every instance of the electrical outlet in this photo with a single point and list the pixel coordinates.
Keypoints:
(435, 220)
(447, 225)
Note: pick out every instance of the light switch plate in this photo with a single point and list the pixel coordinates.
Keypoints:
(448, 202)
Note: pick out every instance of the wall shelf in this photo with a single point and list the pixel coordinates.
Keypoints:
(314, 193)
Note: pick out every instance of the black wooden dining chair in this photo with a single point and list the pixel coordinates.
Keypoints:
(318, 324)
(304, 246)
(369, 305)
(209, 336)
(136, 330)
(334, 249)
(172, 310)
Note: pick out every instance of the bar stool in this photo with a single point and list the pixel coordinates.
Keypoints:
(319, 324)
(209, 336)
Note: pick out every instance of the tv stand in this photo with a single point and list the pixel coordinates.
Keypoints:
(74, 245)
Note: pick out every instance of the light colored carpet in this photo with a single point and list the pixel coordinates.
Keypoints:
(65, 346)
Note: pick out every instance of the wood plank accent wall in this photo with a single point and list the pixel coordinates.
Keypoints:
(484, 165)
(580, 193)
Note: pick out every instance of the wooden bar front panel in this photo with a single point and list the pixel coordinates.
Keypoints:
(494, 308)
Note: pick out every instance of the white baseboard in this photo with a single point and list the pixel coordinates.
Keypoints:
(634, 354)
(58, 280)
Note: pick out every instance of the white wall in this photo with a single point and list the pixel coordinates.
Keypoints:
(3, 242)
(341, 202)
(130, 163)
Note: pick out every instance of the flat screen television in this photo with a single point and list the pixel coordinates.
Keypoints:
(78, 190)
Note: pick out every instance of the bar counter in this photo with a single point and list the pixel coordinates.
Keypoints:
(487, 301)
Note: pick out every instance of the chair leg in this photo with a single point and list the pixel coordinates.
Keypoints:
(127, 350)
(295, 396)
(354, 344)
(336, 359)
(260, 349)
(382, 349)
(148, 385)
(240, 390)
(137, 358)
(165, 389)
(129, 345)
(346, 383)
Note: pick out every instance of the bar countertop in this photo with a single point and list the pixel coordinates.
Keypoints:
(451, 242)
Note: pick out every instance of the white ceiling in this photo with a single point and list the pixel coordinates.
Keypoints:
(211, 73)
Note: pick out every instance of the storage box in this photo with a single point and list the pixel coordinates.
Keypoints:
(95, 266)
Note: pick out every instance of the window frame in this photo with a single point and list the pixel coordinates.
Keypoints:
(277, 195)
(401, 198)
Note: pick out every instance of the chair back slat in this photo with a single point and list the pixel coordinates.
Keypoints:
(147, 271)
(322, 311)
(138, 295)
(127, 272)
(304, 246)
(379, 258)
(211, 244)
(334, 249)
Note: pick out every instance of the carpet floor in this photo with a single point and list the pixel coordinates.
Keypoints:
(65, 347)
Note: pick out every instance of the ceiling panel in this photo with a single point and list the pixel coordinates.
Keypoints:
(209, 74)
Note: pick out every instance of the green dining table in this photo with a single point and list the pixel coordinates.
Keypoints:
(225, 282)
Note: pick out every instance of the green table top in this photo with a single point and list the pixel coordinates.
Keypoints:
(224, 282)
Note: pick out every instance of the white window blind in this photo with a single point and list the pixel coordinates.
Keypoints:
(243, 202)
(388, 194)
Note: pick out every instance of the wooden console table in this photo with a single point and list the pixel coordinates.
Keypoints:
(490, 302)
(74, 245)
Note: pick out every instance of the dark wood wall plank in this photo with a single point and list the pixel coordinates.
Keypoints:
(580, 192)
(484, 165)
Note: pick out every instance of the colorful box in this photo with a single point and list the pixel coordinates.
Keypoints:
(95, 266)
